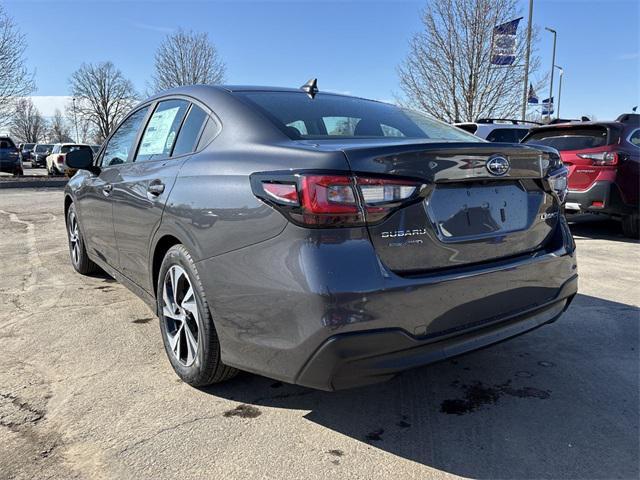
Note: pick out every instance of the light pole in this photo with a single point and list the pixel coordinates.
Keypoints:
(553, 62)
(525, 92)
(559, 90)
(75, 118)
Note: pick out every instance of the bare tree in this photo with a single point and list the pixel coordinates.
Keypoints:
(59, 129)
(187, 58)
(448, 72)
(27, 124)
(103, 96)
(15, 80)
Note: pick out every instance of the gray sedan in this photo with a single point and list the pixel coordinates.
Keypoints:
(320, 239)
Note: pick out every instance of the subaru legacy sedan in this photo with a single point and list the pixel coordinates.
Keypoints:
(320, 239)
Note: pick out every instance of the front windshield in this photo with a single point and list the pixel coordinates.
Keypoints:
(43, 148)
(334, 116)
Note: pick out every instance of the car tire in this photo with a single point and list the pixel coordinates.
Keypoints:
(631, 225)
(77, 248)
(185, 318)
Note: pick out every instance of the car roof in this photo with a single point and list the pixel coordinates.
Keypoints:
(196, 90)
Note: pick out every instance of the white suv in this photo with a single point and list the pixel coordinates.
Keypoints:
(56, 164)
(498, 130)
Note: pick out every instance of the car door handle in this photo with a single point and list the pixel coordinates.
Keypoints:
(155, 188)
(106, 190)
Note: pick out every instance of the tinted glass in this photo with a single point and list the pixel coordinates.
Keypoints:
(41, 148)
(161, 130)
(7, 143)
(468, 127)
(334, 116)
(505, 135)
(28, 146)
(634, 138)
(121, 143)
(574, 138)
(71, 148)
(190, 131)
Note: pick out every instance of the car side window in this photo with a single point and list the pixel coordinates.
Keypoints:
(503, 135)
(56, 149)
(634, 138)
(120, 144)
(160, 133)
(192, 127)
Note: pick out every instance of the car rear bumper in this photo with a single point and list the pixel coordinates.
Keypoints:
(602, 197)
(362, 358)
(318, 308)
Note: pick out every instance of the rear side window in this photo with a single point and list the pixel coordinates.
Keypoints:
(121, 143)
(7, 143)
(507, 135)
(634, 138)
(210, 130)
(468, 127)
(187, 141)
(566, 139)
(161, 130)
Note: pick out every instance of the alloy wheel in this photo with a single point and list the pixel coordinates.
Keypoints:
(181, 316)
(74, 237)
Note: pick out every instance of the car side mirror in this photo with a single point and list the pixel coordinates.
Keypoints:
(82, 160)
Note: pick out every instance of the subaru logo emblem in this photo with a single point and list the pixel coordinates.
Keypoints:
(498, 166)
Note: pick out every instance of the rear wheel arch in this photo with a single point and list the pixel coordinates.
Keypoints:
(67, 203)
(161, 248)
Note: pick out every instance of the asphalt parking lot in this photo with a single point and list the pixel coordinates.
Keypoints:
(87, 392)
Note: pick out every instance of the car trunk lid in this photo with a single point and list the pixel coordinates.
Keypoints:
(465, 214)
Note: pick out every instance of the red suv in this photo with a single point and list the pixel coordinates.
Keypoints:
(603, 159)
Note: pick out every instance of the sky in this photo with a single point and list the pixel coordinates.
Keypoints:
(352, 46)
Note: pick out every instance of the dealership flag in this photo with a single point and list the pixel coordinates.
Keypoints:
(533, 96)
(503, 45)
(547, 106)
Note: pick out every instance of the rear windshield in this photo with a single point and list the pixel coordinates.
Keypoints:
(578, 138)
(71, 148)
(43, 148)
(333, 116)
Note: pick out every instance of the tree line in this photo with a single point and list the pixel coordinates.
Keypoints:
(446, 73)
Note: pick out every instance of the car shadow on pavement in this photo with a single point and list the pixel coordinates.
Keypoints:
(597, 227)
(559, 402)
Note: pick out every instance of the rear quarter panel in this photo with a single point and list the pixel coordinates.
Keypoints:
(212, 207)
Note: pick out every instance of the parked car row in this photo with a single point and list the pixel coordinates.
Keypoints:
(603, 159)
(46, 155)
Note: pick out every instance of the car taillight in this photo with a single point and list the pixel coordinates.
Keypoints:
(60, 159)
(601, 158)
(334, 200)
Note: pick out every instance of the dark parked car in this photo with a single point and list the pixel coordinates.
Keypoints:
(40, 153)
(604, 166)
(25, 151)
(10, 157)
(320, 239)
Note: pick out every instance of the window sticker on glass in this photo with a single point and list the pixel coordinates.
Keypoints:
(156, 136)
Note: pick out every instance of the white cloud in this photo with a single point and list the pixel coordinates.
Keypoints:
(48, 104)
(152, 28)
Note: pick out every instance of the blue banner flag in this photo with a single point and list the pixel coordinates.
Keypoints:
(532, 98)
(503, 45)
